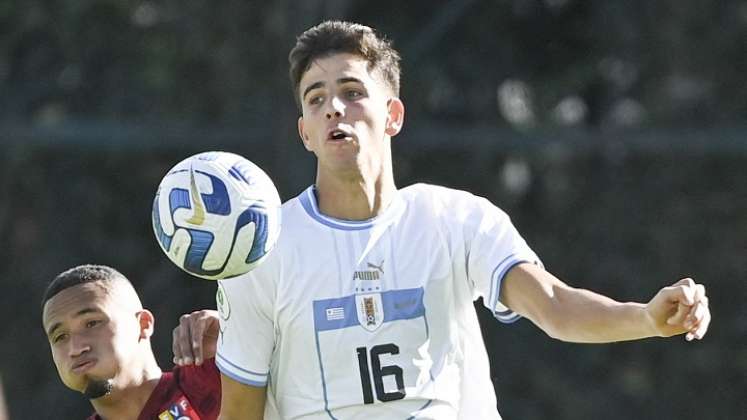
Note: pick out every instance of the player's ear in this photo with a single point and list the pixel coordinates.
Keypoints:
(396, 117)
(147, 323)
(303, 135)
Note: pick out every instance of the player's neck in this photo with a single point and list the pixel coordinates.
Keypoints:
(354, 198)
(128, 401)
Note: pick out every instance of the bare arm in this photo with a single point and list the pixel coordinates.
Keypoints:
(579, 315)
(239, 401)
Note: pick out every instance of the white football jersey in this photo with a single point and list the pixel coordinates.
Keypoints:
(373, 319)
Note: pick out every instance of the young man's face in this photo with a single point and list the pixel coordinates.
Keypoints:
(348, 115)
(92, 333)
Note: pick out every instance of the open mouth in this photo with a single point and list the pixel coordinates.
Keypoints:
(339, 135)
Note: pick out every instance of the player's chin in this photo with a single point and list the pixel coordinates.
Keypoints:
(77, 383)
(82, 381)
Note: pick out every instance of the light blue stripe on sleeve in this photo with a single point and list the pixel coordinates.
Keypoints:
(239, 374)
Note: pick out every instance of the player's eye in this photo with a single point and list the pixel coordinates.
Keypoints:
(59, 338)
(315, 100)
(92, 323)
(353, 94)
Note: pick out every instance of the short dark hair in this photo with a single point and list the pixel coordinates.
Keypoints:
(332, 37)
(81, 274)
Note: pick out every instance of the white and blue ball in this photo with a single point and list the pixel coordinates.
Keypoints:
(216, 215)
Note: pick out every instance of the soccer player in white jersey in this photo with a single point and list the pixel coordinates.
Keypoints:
(364, 310)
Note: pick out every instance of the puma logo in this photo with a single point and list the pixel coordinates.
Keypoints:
(377, 267)
(374, 274)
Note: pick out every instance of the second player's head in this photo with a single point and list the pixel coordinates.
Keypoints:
(97, 329)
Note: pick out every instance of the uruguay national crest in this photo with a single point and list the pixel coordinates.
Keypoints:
(370, 310)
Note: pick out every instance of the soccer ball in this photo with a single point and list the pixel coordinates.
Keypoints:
(216, 215)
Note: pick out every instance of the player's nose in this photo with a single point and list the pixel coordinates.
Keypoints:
(336, 108)
(78, 346)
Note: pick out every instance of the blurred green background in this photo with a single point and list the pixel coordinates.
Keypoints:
(614, 133)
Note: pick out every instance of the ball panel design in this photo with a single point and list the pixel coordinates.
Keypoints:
(218, 202)
(163, 239)
(216, 215)
(198, 248)
(257, 215)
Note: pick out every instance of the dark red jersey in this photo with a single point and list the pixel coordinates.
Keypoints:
(188, 392)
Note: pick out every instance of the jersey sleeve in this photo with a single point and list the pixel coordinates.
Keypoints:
(247, 339)
(493, 247)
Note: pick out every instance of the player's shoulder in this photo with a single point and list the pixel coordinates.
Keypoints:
(292, 211)
(434, 193)
(292, 204)
(452, 206)
(197, 381)
(440, 198)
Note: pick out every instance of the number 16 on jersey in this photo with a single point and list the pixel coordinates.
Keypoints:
(378, 373)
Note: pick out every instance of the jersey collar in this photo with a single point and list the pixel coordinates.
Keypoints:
(309, 202)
